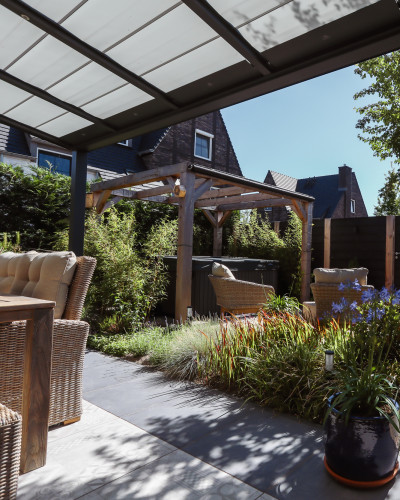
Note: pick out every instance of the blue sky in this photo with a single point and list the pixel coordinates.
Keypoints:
(306, 130)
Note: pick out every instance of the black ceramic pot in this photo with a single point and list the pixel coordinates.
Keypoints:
(365, 449)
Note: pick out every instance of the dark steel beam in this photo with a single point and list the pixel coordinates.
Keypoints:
(42, 94)
(78, 199)
(34, 131)
(57, 31)
(229, 33)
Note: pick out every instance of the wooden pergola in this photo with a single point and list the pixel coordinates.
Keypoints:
(217, 194)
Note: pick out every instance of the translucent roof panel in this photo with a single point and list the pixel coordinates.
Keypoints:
(16, 35)
(34, 111)
(296, 18)
(88, 83)
(64, 124)
(47, 63)
(120, 100)
(240, 12)
(102, 23)
(180, 30)
(193, 65)
(11, 96)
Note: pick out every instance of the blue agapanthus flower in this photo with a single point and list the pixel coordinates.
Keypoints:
(337, 307)
(356, 285)
(353, 306)
(384, 294)
(341, 287)
(367, 295)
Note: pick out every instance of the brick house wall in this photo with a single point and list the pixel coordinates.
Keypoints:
(342, 209)
(178, 145)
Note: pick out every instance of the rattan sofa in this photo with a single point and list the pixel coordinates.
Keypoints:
(237, 296)
(69, 342)
(327, 289)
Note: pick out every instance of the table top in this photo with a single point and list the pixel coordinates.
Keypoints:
(20, 303)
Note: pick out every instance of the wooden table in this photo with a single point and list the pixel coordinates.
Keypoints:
(37, 366)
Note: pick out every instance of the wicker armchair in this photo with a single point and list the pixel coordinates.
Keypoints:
(239, 297)
(69, 342)
(327, 293)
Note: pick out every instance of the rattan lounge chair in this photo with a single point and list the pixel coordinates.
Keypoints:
(69, 342)
(239, 297)
(328, 292)
(10, 452)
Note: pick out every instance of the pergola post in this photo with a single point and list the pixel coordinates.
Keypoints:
(217, 240)
(183, 295)
(78, 198)
(306, 252)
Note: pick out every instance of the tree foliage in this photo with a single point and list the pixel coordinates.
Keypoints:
(37, 204)
(380, 120)
(389, 195)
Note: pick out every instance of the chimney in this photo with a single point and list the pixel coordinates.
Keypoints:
(344, 184)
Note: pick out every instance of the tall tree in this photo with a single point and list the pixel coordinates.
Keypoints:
(380, 120)
(389, 195)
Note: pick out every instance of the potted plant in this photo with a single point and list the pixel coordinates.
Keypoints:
(362, 422)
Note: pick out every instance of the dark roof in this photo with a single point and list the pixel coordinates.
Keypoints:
(13, 140)
(150, 141)
(325, 191)
(323, 188)
(118, 158)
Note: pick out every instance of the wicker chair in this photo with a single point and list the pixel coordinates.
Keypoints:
(10, 452)
(326, 294)
(69, 342)
(239, 297)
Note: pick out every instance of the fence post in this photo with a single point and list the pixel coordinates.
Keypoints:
(390, 254)
(327, 243)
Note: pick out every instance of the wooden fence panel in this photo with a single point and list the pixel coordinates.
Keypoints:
(355, 242)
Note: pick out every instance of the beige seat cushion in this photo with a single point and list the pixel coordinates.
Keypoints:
(323, 275)
(221, 271)
(41, 275)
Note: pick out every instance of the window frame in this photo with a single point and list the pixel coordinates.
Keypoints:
(210, 137)
(54, 153)
(352, 206)
(125, 143)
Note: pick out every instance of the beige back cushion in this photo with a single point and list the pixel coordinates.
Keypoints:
(41, 275)
(323, 275)
(222, 271)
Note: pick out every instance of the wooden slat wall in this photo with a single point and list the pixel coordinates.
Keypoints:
(355, 242)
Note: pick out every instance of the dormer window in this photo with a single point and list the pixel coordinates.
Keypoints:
(124, 143)
(203, 145)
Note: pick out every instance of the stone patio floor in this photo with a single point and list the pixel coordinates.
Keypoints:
(145, 437)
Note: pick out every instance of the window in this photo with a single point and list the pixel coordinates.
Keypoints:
(58, 162)
(353, 206)
(203, 145)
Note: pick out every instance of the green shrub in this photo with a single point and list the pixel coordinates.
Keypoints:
(253, 237)
(129, 278)
(36, 204)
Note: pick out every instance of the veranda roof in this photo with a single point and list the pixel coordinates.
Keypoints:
(88, 73)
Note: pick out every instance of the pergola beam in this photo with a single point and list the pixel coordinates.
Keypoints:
(230, 34)
(244, 198)
(60, 33)
(250, 205)
(138, 178)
